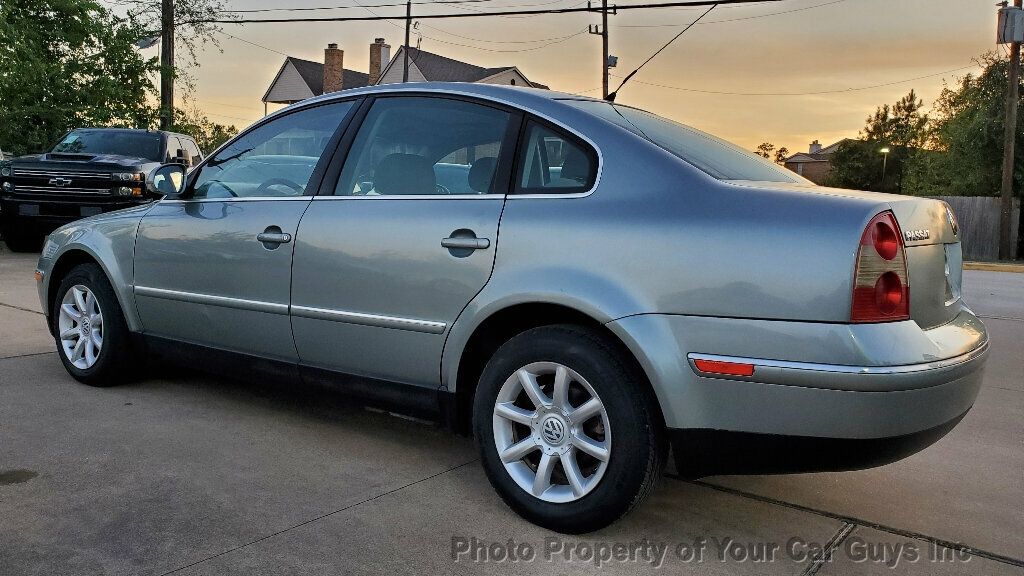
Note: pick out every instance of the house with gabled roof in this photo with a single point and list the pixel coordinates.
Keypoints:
(298, 79)
(816, 163)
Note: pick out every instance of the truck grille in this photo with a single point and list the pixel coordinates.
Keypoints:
(61, 181)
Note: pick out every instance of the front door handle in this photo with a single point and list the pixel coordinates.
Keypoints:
(272, 237)
(466, 243)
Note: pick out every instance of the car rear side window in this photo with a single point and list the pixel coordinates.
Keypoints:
(552, 162)
(416, 145)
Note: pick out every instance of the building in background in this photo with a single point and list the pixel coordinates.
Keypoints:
(816, 163)
(298, 79)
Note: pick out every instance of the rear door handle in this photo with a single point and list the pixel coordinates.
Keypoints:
(466, 243)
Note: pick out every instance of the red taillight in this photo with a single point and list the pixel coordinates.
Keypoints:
(880, 290)
(727, 368)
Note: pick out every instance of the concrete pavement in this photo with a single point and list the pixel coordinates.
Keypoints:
(185, 473)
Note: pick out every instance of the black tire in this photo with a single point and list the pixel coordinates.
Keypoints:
(117, 360)
(20, 240)
(638, 445)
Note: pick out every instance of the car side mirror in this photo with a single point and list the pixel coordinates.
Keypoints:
(168, 180)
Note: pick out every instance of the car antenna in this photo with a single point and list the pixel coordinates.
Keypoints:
(611, 97)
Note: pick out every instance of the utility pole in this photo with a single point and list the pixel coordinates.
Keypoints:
(1009, 139)
(405, 52)
(166, 64)
(602, 31)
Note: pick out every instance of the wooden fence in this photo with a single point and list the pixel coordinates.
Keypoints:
(979, 225)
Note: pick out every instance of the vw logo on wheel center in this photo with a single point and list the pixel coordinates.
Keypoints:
(553, 430)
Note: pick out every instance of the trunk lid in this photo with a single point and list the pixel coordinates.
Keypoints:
(934, 258)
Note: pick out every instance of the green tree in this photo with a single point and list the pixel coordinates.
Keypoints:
(765, 149)
(208, 135)
(965, 142)
(66, 64)
(900, 128)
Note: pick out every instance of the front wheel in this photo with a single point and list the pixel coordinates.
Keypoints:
(567, 430)
(89, 328)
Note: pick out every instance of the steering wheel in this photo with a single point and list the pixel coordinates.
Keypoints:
(298, 188)
(442, 189)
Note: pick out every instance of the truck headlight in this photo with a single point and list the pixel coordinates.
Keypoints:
(5, 171)
(8, 187)
(126, 176)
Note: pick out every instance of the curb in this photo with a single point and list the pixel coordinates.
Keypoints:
(994, 267)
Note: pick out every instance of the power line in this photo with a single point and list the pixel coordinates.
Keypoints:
(386, 5)
(813, 93)
(511, 50)
(478, 14)
(611, 97)
(727, 20)
(251, 43)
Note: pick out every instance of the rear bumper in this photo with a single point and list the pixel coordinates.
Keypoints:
(885, 380)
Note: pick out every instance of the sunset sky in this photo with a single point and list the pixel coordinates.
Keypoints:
(778, 48)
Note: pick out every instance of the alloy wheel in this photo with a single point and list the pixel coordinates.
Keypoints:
(551, 432)
(80, 326)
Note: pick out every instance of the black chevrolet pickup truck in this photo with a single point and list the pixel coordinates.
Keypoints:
(89, 171)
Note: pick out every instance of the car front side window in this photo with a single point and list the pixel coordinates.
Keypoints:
(425, 146)
(276, 159)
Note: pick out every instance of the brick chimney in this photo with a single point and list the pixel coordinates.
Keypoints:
(333, 68)
(380, 54)
(815, 147)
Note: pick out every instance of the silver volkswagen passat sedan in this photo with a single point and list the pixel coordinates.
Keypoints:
(578, 284)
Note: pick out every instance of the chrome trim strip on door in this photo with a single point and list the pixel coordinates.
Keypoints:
(375, 320)
(225, 301)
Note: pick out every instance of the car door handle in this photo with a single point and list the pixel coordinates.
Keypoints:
(274, 237)
(466, 243)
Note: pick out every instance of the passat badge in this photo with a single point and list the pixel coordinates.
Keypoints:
(914, 235)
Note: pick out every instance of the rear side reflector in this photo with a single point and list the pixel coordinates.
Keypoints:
(881, 291)
(727, 368)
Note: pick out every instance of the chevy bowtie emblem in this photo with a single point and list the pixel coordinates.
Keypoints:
(912, 235)
(60, 182)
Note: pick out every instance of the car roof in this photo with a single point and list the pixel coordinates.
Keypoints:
(516, 95)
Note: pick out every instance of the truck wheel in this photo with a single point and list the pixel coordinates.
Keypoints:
(92, 336)
(568, 432)
(19, 240)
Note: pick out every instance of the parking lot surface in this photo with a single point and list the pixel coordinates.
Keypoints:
(184, 473)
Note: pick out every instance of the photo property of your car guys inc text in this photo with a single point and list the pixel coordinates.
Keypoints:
(475, 287)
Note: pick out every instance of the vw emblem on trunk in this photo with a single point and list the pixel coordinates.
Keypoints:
(60, 182)
(553, 430)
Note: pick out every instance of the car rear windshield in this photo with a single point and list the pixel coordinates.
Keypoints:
(715, 156)
(121, 142)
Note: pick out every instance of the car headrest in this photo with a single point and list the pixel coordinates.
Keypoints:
(481, 173)
(576, 166)
(405, 174)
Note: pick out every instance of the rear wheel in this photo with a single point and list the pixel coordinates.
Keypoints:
(567, 431)
(89, 328)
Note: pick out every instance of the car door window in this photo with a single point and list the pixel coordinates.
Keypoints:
(425, 146)
(551, 162)
(274, 160)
